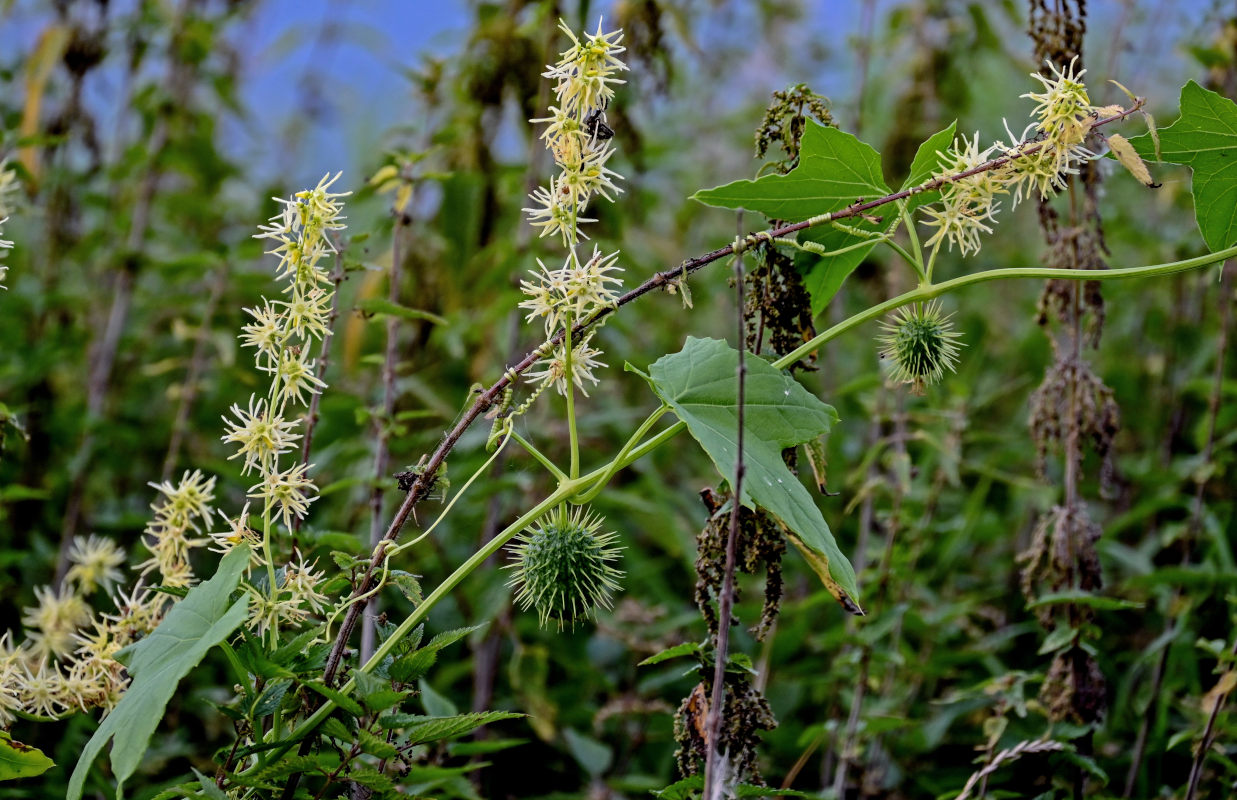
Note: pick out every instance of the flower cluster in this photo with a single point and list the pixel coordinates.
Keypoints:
(174, 530)
(1050, 149)
(577, 136)
(297, 598)
(66, 662)
(283, 334)
(969, 203)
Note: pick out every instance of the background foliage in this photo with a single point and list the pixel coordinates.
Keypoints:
(133, 260)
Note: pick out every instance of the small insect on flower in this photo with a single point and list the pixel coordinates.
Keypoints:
(595, 126)
(564, 567)
(920, 344)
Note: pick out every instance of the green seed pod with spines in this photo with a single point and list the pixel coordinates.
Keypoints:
(920, 344)
(563, 566)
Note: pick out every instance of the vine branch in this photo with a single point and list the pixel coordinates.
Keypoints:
(424, 480)
(715, 766)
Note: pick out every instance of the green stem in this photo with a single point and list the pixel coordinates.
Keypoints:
(571, 404)
(560, 494)
(270, 563)
(242, 674)
(927, 276)
(911, 233)
(1040, 273)
(915, 257)
(616, 464)
(819, 249)
(537, 454)
(569, 488)
(916, 264)
(639, 452)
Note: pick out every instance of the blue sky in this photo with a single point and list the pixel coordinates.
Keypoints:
(346, 60)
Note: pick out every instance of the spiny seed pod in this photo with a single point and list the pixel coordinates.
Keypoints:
(920, 344)
(563, 566)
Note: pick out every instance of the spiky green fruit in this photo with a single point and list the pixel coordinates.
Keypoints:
(563, 566)
(920, 345)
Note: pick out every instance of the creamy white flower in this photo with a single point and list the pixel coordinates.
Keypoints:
(307, 312)
(295, 376)
(262, 436)
(187, 501)
(553, 369)
(96, 563)
(556, 213)
(266, 332)
(237, 533)
(288, 492)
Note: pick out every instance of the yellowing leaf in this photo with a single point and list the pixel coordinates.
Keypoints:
(383, 174)
(402, 196)
(699, 383)
(1129, 158)
(1219, 692)
(19, 760)
(47, 53)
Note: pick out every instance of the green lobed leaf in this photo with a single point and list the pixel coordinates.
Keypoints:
(1061, 637)
(410, 667)
(322, 762)
(408, 586)
(375, 745)
(336, 729)
(451, 637)
(253, 656)
(270, 698)
(699, 383)
(1204, 137)
(824, 276)
(387, 698)
(345, 703)
(835, 169)
(202, 620)
(208, 787)
(928, 161)
(19, 760)
(372, 779)
(288, 651)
